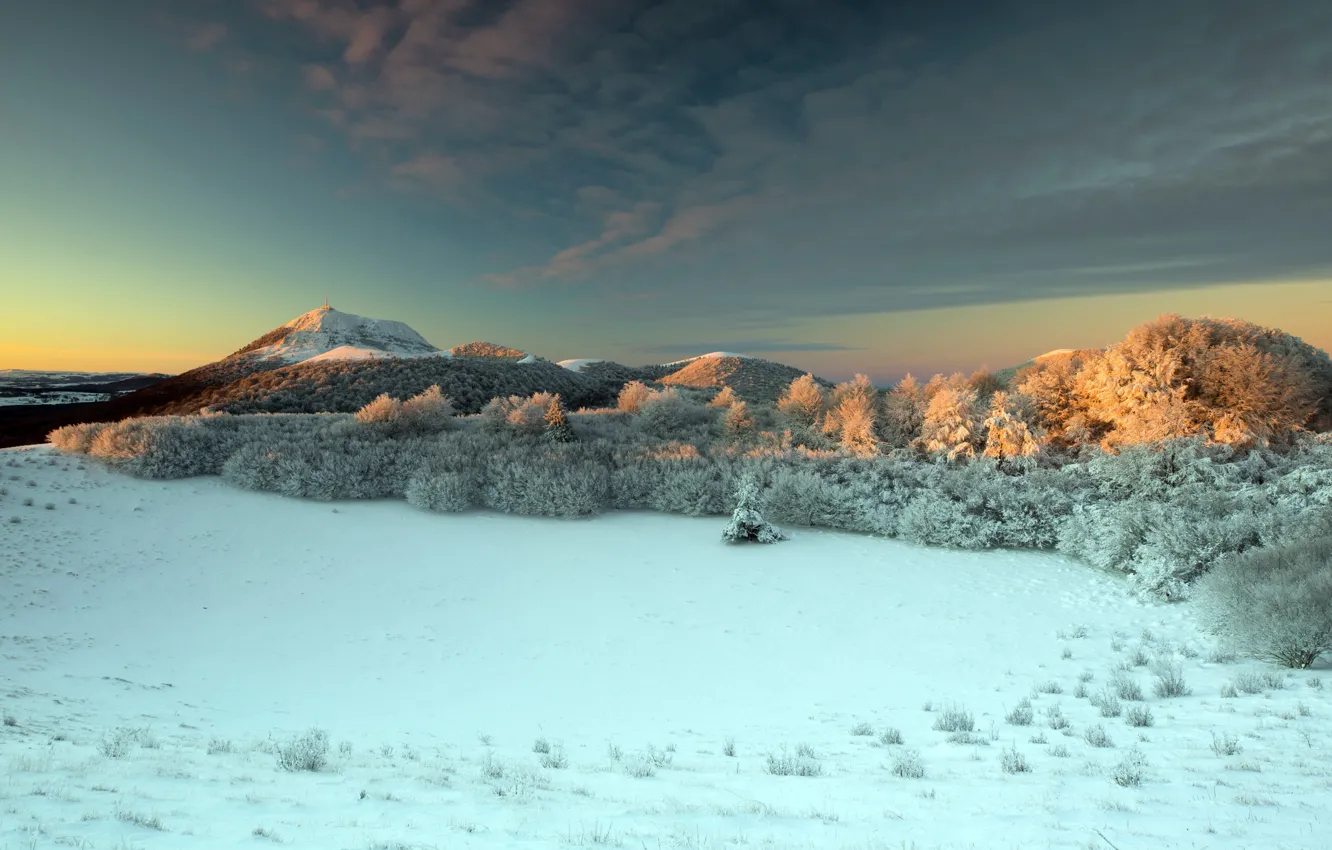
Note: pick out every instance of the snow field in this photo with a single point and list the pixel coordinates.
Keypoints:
(495, 681)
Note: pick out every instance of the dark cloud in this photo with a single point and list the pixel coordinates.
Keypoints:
(768, 158)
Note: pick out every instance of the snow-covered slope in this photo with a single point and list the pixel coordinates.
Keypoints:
(329, 334)
(577, 365)
(161, 638)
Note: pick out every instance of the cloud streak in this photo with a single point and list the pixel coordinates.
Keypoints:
(839, 157)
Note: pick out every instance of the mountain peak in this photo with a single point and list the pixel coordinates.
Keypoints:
(328, 334)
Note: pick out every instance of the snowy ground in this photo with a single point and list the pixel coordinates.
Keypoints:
(159, 642)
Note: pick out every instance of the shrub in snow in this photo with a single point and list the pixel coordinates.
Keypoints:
(747, 522)
(1273, 603)
(1226, 745)
(954, 719)
(908, 765)
(1013, 761)
(862, 729)
(1055, 718)
(801, 763)
(890, 736)
(554, 758)
(1170, 681)
(640, 766)
(1131, 769)
(1097, 736)
(1138, 715)
(1022, 713)
(1126, 687)
(118, 743)
(309, 752)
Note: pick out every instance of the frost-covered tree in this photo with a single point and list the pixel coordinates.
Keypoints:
(738, 424)
(725, 398)
(950, 429)
(856, 416)
(1224, 379)
(384, 408)
(557, 423)
(747, 523)
(632, 395)
(1008, 438)
(903, 413)
(853, 415)
(1060, 410)
(803, 402)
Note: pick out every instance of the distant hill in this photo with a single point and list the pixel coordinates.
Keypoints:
(751, 378)
(487, 350)
(609, 370)
(323, 360)
(347, 385)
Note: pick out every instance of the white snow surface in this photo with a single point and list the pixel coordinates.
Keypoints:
(577, 364)
(213, 621)
(327, 334)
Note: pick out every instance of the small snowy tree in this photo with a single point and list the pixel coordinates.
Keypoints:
(950, 425)
(557, 424)
(1008, 439)
(747, 522)
(803, 402)
(737, 424)
(725, 398)
(632, 395)
(857, 419)
(903, 413)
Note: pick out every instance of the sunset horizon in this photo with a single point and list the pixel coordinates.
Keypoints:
(846, 188)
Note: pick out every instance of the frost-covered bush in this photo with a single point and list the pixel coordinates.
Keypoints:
(427, 412)
(518, 414)
(1273, 603)
(632, 396)
(443, 491)
(308, 752)
(567, 480)
(747, 523)
(76, 439)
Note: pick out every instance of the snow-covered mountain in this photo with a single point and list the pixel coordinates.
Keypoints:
(328, 334)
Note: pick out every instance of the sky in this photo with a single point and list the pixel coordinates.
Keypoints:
(874, 187)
